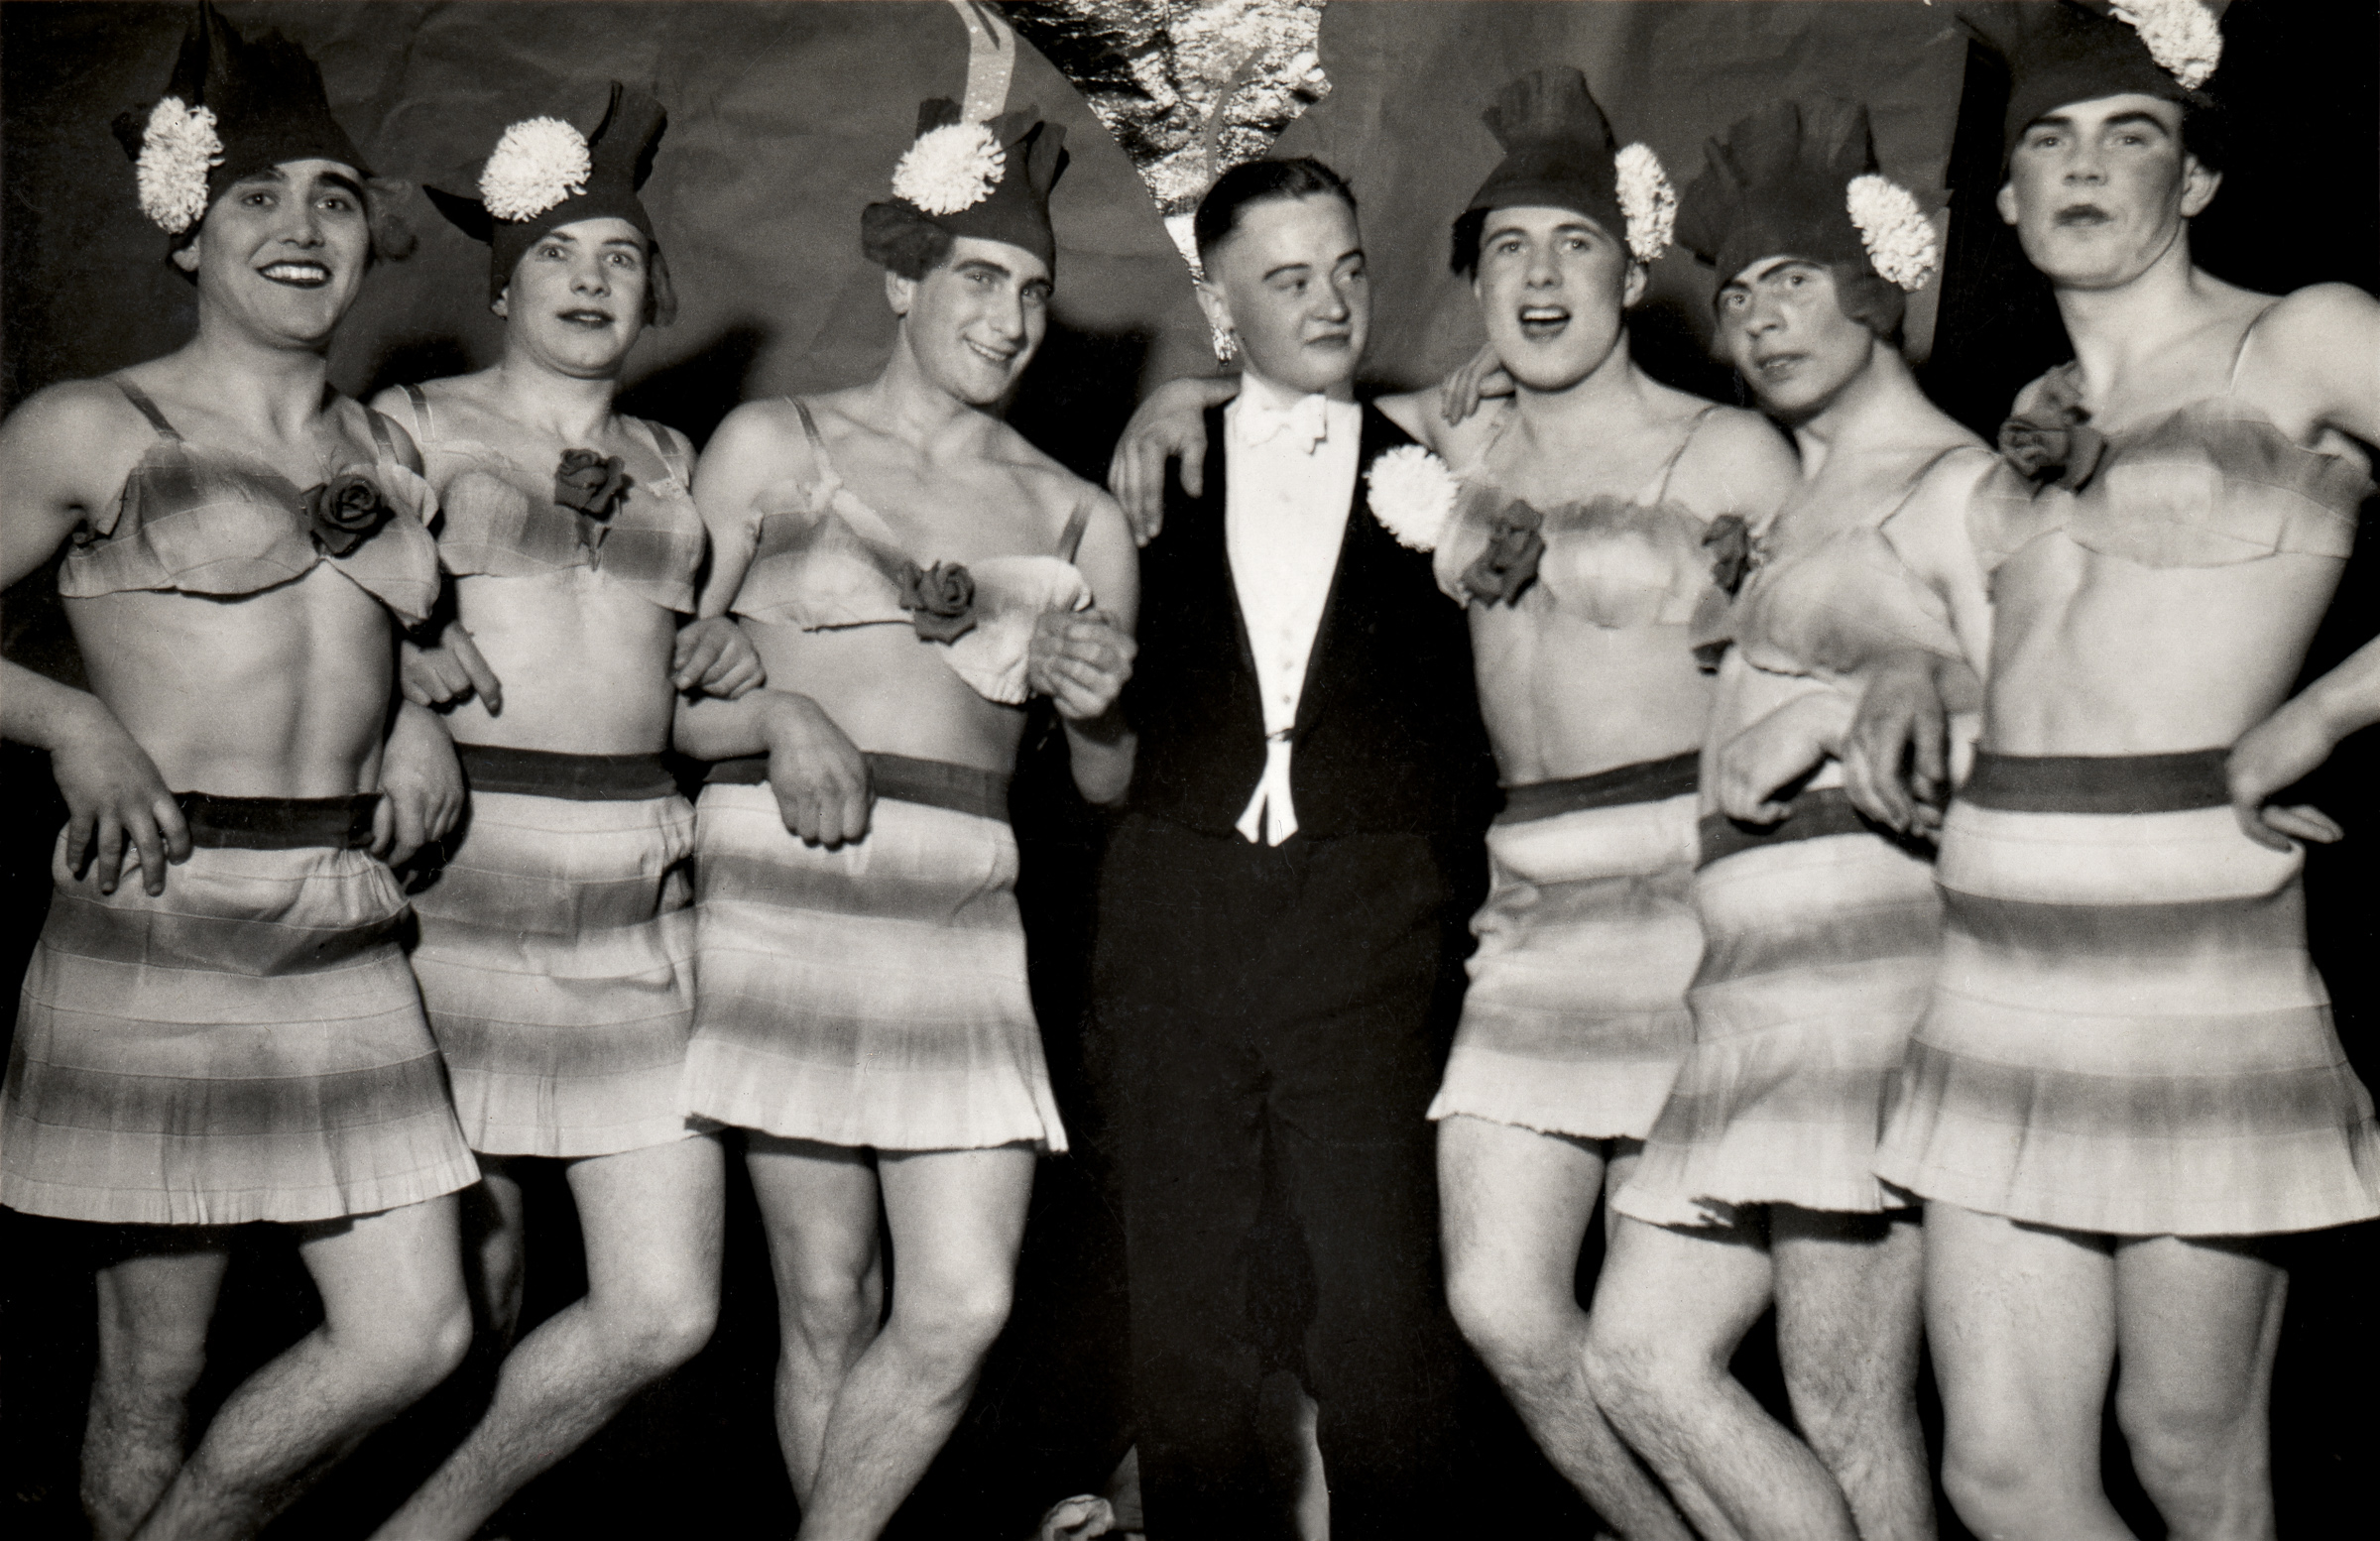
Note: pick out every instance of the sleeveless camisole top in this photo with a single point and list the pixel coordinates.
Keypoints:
(1613, 562)
(825, 560)
(501, 520)
(2206, 485)
(1824, 609)
(224, 524)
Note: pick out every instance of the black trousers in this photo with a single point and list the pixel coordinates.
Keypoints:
(1280, 1006)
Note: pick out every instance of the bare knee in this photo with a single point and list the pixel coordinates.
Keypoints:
(402, 1355)
(952, 1323)
(2000, 1479)
(831, 1312)
(658, 1332)
(1632, 1370)
(1514, 1334)
(151, 1364)
(2181, 1448)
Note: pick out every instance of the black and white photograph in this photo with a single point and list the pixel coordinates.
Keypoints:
(1189, 769)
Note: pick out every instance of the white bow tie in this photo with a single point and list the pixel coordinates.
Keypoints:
(1304, 422)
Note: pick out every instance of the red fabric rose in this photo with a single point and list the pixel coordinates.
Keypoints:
(591, 486)
(2052, 440)
(345, 509)
(940, 600)
(1510, 564)
(1730, 541)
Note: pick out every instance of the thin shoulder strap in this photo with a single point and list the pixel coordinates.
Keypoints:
(380, 434)
(1070, 539)
(667, 447)
(145, 408)
(1661, 494)
(2239, 354)
(424, 426)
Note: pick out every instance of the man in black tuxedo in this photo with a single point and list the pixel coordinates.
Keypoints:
(1280, 909)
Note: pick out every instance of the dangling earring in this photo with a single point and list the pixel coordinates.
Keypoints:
(1227, 343)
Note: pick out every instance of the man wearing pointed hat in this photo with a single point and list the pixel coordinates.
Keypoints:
(1820, 929)
(914, 573)
(2129, 1076)
(218, 1027)
(556, 941)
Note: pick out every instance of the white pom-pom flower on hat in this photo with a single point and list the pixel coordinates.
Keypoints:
(537, 164)
(1900, 240)
(2181, 35)
(1648, 201)
(178, 149)
(949, 168)
(1412, 495)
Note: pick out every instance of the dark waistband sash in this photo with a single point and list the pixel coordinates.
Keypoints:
(1828, 811)
(1648, 780)
(936, 783)
(537, 773)
(278, 823)
(2099, 784)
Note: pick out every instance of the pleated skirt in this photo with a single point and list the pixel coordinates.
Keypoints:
(872, 995)
(1575, 1018)
(2128, 1036)
(1819, 955)
(556, 960)
(246, 1047)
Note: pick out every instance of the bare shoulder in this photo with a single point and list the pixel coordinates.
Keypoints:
(1734, 463)
(83, 412)
(65, 454)
(756, 429)
(2311, 361)
(1738, 441)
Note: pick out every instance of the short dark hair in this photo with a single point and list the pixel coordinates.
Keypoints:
(894, 235)
(2207, 129)
(1261, 181)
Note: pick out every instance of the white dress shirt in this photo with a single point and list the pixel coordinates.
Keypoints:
(1290, 478)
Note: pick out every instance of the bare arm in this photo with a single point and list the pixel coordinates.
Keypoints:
(748, 455)
(62, 455)
(1170, 424)
(1082, 660)
(815, 771)
(1896, 756)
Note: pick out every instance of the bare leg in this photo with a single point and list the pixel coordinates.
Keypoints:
(957, 1218)
(1850, 1329)
(496, 1260)
(1669, 1311)
(396, 1322)
(1515, 1206)
(651, 1223)
(820, 1207)
(2198, 1323)
(154, 1311)
(2022, 1324)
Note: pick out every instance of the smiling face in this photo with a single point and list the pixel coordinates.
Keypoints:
(576, 301)
(283, 253)
(1291, 281)
(1783, 326)
(2098, 190)
(974, 322)
(1552, 284)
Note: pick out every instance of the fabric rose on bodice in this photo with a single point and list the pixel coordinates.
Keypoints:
(2051, 439)
(940, 600)
(1730, 541)
(1510, 564)
(344, 510)
(591, 486)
